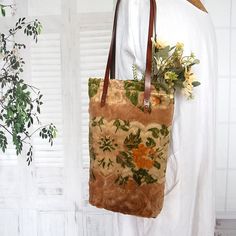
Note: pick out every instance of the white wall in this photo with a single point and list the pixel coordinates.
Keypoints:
(223, 13)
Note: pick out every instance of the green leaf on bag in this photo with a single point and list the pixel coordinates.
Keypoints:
(142, 174)
(119, 125)
(164, 130)
(99, 123)
(102, 162)
(132, 96)
(125, 160)
(122, 180)
(150, 142)
(136, 85)
(93, 86)
(157, 165)
(133, 140)
(155, 132)
(116, 123)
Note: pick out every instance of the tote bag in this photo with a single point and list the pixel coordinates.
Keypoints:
(129, 134)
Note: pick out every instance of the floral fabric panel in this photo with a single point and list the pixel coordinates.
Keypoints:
(135, 145)
(129, 150)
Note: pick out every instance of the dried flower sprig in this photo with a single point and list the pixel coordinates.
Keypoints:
(172, 70)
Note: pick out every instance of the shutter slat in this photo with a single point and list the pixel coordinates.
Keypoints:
(46, 75)
(94, 45)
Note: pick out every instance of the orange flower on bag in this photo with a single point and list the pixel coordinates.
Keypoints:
(140, 156)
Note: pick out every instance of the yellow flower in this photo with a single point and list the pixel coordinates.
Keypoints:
(189, 76)
(188, 87)
(171, 76)
(187, 90)
(159, 44)
(179, 46)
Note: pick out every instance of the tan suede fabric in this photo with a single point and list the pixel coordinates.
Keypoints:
(128, 149)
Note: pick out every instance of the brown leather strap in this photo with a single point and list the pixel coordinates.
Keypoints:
(198, 4)
(147, 91)
(111, 57)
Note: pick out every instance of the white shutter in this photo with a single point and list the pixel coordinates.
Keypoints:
(48, 161)
(94, 42)
(46, 75)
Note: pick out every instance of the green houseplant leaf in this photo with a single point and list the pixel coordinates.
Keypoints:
(19, 102)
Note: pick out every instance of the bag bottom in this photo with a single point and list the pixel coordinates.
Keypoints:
(140, 200)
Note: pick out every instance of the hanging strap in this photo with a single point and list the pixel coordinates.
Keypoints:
(110, 67)
(198, 4)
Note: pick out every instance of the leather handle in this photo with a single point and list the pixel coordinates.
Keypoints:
(110, 68)
(198, 4)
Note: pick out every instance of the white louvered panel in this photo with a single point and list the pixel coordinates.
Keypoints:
(46, 75)
(85, 188)
(99, 223)
(94, 6)
(9, 187)
(9, 156)
(44, 7)
(49, 181)
(51, 224)
(9, 223)
(48, 160)
(94, 41)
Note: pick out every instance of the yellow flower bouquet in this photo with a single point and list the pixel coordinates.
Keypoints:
(172, 70)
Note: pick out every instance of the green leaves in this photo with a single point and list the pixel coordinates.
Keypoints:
(132, 89)
(171, 70)
(93, 86)
(157, 165)
(29, 154)
(195, 83)
(34, 29)
(3, 141)
(122, 180)
(164, 52)
(135, 72)
(20, 102)
(125, 159)
(164, 130)
(49, 132)
(2, 10)
(17, 142)
(155, 132)
(123, 125)
(133, 140)
(142, 175)
(132, 96)
(98, 122)
(150, 142)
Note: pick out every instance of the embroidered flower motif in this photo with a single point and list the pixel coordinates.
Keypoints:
(106, 144)
(141, 155)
